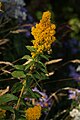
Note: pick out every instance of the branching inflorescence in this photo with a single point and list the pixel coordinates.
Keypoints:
(43, 34)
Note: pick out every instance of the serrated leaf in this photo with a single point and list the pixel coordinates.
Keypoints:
(19, 67)
(30, 48)
(5, 107)
(7, 98)
(17, 86)
(18, 74)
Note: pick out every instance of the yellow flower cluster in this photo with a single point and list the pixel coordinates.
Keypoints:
(2, 113)
(43, 34)
(33, 113)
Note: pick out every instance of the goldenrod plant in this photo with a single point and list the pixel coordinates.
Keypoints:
(30, 74)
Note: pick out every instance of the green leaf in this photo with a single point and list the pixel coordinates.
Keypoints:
(26, 57)
(40, 76)
(17, 86)
(6, 107)
(19, 67)
(42, 64)
(33, 77)
(29, 65)
(28, 82)
(45, 57)
(37, 75)
(22, 118)
(7, 98)
(31, 48)
(32, 93)
(37, 95)
(18, 74)
(43, 70)
(44, 76)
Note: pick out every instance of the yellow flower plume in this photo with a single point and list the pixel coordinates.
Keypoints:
(43, 34)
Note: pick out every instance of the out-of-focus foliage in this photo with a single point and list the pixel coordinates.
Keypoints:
(75, 26)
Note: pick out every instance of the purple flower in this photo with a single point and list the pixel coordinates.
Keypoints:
(43, 100)
(74, 94)
(43, 94)
(15, 9)
(74, 74)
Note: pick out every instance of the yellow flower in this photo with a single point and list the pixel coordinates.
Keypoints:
(2, 113)
(43, 34)
(33, 113)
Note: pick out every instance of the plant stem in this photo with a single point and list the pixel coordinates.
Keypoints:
(22, 90)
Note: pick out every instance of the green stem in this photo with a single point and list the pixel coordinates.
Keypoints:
(22, 90)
